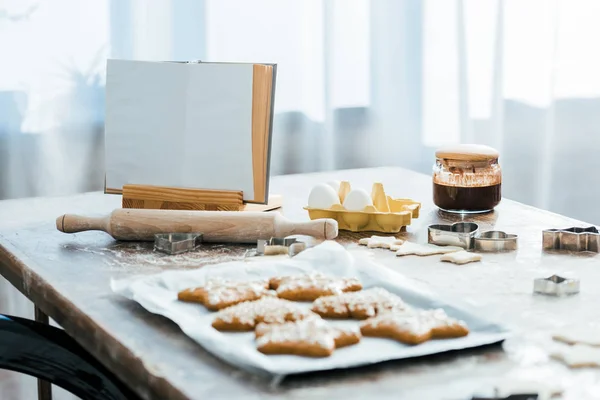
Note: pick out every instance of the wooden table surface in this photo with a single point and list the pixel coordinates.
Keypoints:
(68, 277)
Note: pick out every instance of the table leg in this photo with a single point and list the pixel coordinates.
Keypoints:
(44, 387)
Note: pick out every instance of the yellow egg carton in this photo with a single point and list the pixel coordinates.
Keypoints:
(386, 215)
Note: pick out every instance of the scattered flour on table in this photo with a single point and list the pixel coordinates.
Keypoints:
(141, 256)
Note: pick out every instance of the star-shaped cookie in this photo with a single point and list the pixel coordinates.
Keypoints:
(578, 356)
(590, 338)
(414, 327)
(383, 242)
(270, 310)
(217, 293)
(417, 249)
(309, 337)
(461, 257)
(312, 286)
(358, 305)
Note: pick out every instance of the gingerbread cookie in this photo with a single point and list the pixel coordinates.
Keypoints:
(383, 242)
(312, 286)
(270, 310)
(414, 327)
(310, 337)
(358, 305)
(217, 294)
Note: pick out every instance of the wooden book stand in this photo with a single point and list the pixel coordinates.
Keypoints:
(170, 198)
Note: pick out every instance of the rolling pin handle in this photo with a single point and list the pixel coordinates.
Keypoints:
(330, 228)
(324, 228)
(70, 223)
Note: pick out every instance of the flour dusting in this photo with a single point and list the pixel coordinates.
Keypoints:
(141, 256)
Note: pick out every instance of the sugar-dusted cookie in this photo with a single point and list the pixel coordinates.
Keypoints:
(428, 249)
(578, 356)
(414, 327)
(310, 337)
(296, 339)
(461, 257)
(312, 286)
(270, 310)
(443, 326)
(384, 242)
(217, 294)
(590, 337)
(358, 305)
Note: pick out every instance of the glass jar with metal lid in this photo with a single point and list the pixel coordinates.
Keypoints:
(467, 179)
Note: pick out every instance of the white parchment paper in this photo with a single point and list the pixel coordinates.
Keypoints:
(158, 294)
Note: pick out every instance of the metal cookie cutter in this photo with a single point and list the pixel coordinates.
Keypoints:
(556, 286)
(496, 241)
(515, 396)
(511, 397)
(532, 396)
(176, 243)
(460, 234)
(572, 239)
(275, 246)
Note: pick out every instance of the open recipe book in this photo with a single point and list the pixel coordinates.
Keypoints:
(198, 125)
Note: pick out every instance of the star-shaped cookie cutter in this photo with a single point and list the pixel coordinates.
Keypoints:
(572, 239)
(495, 241)
(176, 243)
(459, 234)
(556, 286)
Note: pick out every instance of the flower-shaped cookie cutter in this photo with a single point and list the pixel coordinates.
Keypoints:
(459, 234)
(572, 239)
(556, 286)
(495, 241)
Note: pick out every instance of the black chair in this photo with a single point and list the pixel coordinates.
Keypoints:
(48, 353)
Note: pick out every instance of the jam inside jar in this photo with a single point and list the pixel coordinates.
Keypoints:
(467, 179)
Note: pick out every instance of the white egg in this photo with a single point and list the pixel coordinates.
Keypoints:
(357, 200)
(322, 196)
(335, 185)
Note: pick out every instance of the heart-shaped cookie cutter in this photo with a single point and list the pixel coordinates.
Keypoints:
(495, 241)
(461, 234)
(572, 239)
(467, 236)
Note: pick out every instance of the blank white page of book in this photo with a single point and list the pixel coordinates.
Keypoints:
(179, 125)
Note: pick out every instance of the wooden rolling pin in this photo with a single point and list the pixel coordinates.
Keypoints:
(217, 226)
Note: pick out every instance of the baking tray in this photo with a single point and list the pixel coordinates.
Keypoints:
(158, 294)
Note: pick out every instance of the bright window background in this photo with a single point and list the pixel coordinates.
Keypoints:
(49, 49)
(294, 35)
(548, 52)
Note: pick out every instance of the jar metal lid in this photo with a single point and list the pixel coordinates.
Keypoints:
(467, 152)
